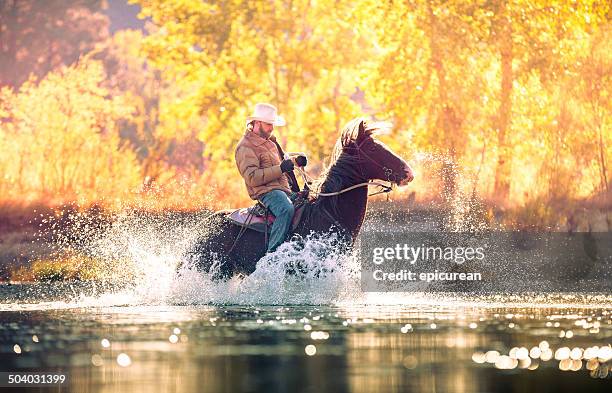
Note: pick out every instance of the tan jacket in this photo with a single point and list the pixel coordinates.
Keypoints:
(259, 164)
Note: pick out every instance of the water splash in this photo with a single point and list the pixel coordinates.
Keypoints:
(305, 272)
(140, 253)
(462, 209)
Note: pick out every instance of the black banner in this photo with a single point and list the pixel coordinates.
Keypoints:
(492, 262)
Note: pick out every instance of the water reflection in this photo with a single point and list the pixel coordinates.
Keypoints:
(357, 348)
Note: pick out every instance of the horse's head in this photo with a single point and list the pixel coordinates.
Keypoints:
(375, 159)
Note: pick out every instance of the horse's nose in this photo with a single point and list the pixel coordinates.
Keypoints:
(409, 175)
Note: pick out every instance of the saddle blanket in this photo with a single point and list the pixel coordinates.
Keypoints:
(245, 217)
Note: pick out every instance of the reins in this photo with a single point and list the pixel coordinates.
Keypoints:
(385, 188)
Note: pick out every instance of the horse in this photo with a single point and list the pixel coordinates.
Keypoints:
(339, 207)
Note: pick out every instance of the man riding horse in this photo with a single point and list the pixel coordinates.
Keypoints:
(231, 245)
(265, 172)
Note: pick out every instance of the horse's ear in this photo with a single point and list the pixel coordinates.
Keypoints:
(353, 132)
(361, 129)
(362, 134)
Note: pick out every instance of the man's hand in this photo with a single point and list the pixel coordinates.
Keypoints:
(301, 161)
(286, 166)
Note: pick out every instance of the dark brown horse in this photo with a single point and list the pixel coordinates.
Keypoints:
(357, 158)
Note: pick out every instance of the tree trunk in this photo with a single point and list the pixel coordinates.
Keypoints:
(502, 171)
(602, 160)
(445, 114)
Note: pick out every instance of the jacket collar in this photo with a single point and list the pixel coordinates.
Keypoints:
(254, 138)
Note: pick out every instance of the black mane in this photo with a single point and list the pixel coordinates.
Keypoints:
(344, 167)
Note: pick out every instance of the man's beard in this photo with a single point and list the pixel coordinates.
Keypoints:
(264, 134)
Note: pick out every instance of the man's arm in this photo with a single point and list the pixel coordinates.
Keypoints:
(248, 166)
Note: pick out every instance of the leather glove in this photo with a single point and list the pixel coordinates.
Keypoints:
(286, 166)
(301, 161)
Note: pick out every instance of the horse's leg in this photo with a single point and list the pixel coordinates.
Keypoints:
(247, 251)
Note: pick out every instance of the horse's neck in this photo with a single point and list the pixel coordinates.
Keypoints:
(351, 209)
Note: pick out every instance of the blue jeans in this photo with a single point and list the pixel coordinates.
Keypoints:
(281, 206)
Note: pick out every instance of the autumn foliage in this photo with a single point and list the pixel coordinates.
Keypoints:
(508, 100)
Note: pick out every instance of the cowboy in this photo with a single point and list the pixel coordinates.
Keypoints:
(264, 172)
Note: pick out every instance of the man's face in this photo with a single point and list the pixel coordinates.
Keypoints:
(264, 129)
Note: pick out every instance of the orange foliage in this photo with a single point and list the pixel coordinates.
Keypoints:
(502, 100)
(61, 142)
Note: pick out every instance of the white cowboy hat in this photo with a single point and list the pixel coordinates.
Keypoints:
(267, 114)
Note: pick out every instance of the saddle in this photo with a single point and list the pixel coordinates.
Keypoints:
(255, 217)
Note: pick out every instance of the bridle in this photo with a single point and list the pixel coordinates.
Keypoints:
(391, 177)
(385, 188)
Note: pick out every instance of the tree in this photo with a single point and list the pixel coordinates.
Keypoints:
(227, 55)
(60, 138)
(596, 71)
(422, 81)
(37, 36)
(166, 144)
(456, 74)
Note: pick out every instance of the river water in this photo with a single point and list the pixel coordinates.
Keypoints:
(557, 343)
(148, 329)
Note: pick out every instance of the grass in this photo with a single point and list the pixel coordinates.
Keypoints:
(72, 268)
